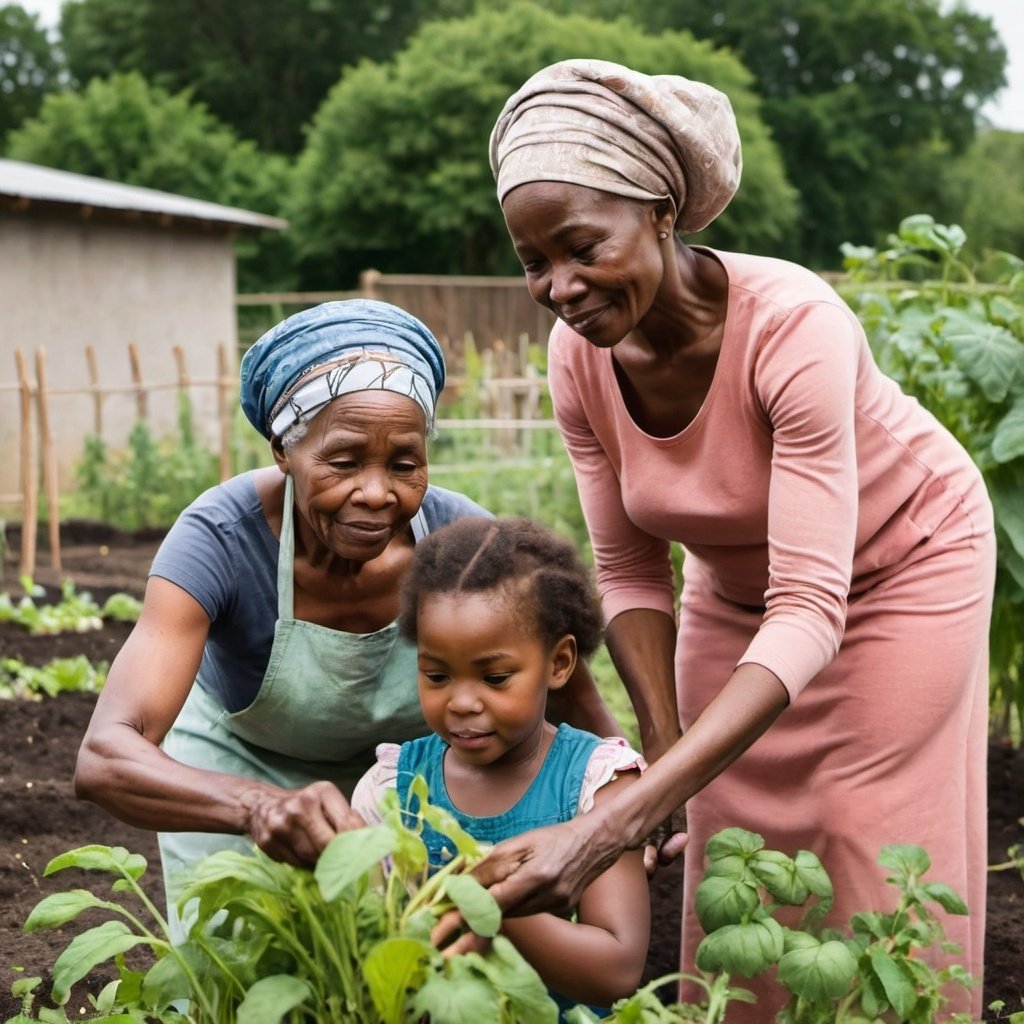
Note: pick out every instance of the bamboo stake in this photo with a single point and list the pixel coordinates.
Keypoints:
(141, 407)
(224, 386)
(48, 456)
(179, 359)
(97, 394)
(29, 481)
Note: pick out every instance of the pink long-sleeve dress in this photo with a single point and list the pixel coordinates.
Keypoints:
(836, 534)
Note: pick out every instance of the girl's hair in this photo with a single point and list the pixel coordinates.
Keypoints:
(552, 589)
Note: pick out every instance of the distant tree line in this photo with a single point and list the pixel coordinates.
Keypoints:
(366, 124)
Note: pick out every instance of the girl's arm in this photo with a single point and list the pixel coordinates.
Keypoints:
(600, 957)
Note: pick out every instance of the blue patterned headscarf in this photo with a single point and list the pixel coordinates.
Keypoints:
(311, 358)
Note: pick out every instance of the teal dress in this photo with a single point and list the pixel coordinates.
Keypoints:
(552, 797)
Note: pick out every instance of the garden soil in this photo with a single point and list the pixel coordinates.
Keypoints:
(40, 817)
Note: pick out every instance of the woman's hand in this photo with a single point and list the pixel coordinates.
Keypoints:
(548, 868)
(294, 825)
(666, 842)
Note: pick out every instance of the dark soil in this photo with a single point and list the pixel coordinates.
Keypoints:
(40, 817)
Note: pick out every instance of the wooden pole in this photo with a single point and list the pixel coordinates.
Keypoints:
(141, 410)
(97, 395)
(225, 383)
(29, 480)
(48, 456)
(179, 360)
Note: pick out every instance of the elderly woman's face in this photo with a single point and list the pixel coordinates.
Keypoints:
(592, 258)
(360, 472)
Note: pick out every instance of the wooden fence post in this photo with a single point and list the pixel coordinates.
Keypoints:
(48, 457)
(97, 394)
(141, 409)
(29, 479)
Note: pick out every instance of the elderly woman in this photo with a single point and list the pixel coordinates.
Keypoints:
(839, 551)
(266, 666)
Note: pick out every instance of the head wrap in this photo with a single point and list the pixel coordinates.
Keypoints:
(602, 125)
(335, 348)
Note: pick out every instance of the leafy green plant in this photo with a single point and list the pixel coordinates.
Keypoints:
(61, 675)
(958, 347)
(76, 612)
(1014, 860)
(346, 942)
(875, 974)
(149, 482)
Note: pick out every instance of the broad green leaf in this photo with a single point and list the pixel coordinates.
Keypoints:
(509, 972)
(459, 999)
(272, 998)
(391, 969)
(87, 950)
(23, 986)
(1009, 513)
(906, 858)
(62, 907)
(724, 900)
(779, 875)
(745, 949)
(349, 856)
(478, 907)
(445, 822)
(818, 973)
(1008, 440)
(237, 872)
(946, 897)
(812, 873)
(730, 866)
(114, 859)
(733, 841)
(165, 982)
(989, 354)
(899, 990)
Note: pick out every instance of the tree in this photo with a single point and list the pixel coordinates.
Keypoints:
(395, 172)
(262, 66)
(29, 67)
(123, 129)
(857, 94)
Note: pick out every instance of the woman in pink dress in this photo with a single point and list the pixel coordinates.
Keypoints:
(824, 679)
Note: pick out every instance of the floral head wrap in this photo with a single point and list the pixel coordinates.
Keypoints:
(329, 350)
(602, 125)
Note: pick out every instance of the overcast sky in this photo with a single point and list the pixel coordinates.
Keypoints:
(1008, 15)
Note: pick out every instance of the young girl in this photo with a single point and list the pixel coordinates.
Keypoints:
(500, 610)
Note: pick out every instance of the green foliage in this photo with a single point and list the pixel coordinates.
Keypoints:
(125, 130)
(261, 66)
(875, 973)
(19, 681)
(420, 196)
(150, 482)
(343, 942)
(76, 612)
(959, 348)
(29, 67)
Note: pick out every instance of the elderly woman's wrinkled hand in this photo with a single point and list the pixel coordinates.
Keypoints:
(547, 869)
(294, 826)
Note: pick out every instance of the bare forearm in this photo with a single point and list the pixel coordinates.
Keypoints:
(580, 961)
(746, 706)
(642, 645)
(133, 779)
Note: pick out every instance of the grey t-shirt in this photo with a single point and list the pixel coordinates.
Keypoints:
(223, 553)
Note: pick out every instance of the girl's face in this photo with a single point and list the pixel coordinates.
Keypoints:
(360, 472)
(594, 259)
(483, 678)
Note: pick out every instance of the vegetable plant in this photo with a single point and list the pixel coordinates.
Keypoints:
(875, 974)
(61, 675)
(76, 612)
(957, 345)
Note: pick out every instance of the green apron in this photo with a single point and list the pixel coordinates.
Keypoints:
(326, 700)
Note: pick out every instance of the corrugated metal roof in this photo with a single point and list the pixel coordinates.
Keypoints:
(45, 184)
